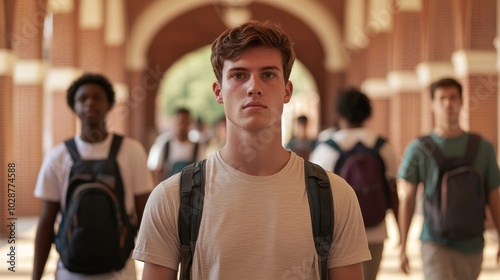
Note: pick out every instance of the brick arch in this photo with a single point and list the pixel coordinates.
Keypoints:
(161, 13)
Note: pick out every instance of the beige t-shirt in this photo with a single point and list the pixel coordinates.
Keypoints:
(253, 227)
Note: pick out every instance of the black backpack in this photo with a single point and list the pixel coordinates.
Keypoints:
(95, 235)
(177, 166)
(364, 169)
(456, 209)
(192, 188)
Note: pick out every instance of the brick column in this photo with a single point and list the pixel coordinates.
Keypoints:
(379, 92)
(60, 120)
(477, 71)
(114, 39)
(7, 59)
(404, 109)
(29, 71)
(91, 55)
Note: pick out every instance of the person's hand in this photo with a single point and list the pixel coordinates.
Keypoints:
(405, 264)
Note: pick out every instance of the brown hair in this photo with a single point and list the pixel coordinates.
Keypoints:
(445, 82)
(232, 42)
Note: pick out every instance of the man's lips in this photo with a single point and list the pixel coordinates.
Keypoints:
(254, 105)
(91, 113)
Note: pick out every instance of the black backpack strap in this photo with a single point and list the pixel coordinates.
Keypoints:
(166, 151)
(433, 150)
(334, 145)
(195, 152)
(472, 147)
(473, 142)
(380, 142)
(115, 146)
(192, 186)
(72, 149)
(319, 194)
(342, 154)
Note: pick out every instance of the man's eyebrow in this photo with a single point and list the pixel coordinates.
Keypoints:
(265, 68)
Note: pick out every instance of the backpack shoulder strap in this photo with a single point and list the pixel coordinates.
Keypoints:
(380, 142)
(195, 152)
(72, 149)
(192, 186)
(432, 148)
(472, 147)
(115, 146)
(334, 145)
(166, 151)
(319, 194)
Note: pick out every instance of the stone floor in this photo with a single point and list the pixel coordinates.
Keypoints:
(389, 268)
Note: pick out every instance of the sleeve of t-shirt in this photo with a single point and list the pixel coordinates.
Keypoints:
(349, 245)
(51, 177)
(492, 176)
(410, 164)
(158, 241)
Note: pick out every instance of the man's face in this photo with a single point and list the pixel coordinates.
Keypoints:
(446, 105)
(91, 105)
(182, 123)
(253, 89)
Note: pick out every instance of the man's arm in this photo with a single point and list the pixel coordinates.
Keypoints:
(494, 205)
(351, 272)
(44, 237)
(153, 271)
(407, 195)
(140, 203)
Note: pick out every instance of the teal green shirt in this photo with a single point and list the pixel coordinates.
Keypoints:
(418, 166)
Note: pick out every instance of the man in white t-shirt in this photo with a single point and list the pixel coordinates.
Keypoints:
(256, 221)
(90, 97)
(353, 108)
(173, 150)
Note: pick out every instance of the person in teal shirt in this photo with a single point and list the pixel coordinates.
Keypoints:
(445, 258)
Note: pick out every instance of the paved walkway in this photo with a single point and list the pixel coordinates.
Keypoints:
(25, 232)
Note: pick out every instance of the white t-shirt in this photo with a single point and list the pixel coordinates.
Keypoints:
(177, 151)
(327, 157)
(54, 174)
(253, 227)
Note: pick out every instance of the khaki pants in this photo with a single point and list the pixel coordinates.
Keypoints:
(443, 263)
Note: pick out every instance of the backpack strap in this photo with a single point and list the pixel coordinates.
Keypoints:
(319, 194)
(334, 145)
(113, 151)
(380, 142)
(430, 145)
(166, 150)
(472, 147)
(115, 146)
(433, 149)
(195, 152)
(72, 149)
(192, 187)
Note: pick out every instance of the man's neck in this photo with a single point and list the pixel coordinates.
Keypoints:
(93, 135)
(254, 156)
(448, 132)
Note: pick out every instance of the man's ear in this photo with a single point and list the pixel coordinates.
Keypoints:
(216, 88)
(288, 91)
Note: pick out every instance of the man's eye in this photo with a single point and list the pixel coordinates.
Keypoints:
(268, 75)
(238, 75)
